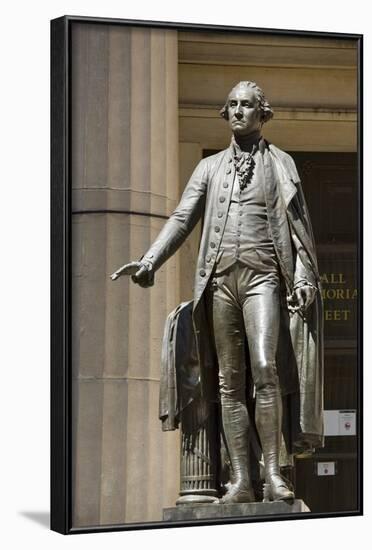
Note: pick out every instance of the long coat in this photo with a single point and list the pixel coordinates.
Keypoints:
(207, 196)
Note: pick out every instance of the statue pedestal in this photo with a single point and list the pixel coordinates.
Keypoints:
(192, 512)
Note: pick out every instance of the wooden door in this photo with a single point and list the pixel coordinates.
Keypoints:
(330, 185)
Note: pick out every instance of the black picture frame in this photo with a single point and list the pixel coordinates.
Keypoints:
(61, 260)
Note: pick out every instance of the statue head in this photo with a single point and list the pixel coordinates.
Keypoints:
(246, 108)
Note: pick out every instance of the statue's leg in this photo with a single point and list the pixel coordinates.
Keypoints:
(262, 318)
(229, 334)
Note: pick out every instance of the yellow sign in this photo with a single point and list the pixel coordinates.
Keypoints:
(337, 292)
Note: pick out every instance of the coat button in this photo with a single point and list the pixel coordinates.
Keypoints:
(208, 259)
(225, 184)
(228, 171)
(220, 214)
(202, 272)
(150, 255)
(217, 229)
(222, 199)
(213, 245)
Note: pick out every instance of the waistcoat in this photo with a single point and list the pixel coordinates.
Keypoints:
(246, 238)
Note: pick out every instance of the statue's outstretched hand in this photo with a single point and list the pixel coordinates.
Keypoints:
(140, 272)
(301, 298)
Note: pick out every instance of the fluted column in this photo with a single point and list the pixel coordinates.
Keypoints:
(125, 183)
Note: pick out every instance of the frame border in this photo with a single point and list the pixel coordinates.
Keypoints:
(61, 315)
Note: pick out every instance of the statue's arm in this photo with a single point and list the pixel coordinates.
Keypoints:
(174, 232)
(306, 275)
(305, 284)
(182, 221)
(303, 271)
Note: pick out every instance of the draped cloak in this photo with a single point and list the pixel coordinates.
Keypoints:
(300, 347)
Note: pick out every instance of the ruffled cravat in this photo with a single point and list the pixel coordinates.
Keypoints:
(244, 161)
(244, 165)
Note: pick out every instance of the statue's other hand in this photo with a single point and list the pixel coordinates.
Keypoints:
(302, 298)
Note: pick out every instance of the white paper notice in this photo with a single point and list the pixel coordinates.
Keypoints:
(340, 422)
(347, 423)
(326, 468)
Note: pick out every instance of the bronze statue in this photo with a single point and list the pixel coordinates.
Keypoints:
(257, 308)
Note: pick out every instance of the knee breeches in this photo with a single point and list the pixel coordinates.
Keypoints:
(245, 304)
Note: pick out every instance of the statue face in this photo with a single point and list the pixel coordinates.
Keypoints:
(244, 112)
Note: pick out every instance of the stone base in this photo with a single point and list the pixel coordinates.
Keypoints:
(196, 499)
(220, 511)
